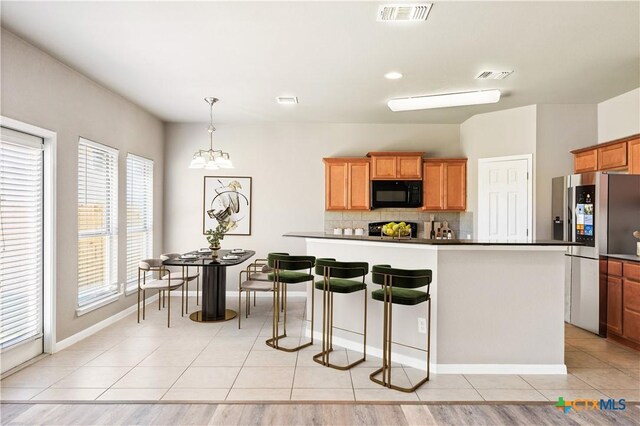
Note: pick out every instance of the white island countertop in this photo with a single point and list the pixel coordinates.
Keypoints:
(498, 307)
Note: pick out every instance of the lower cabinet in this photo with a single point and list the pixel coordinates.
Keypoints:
(614, 305)
(623, 302)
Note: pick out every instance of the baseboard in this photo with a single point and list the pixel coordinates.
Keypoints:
(502, 369)
(71, 340)
(419, 363)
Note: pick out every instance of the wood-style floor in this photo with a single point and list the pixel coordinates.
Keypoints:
(306, 414)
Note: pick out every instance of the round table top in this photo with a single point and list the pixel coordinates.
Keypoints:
(205, 259)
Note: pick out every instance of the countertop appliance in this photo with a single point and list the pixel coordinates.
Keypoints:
(600, 210)
(396, 193)
(375, 228)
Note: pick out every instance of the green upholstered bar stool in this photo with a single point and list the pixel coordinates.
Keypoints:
(287, 270)
(343, 278)
(399, 288)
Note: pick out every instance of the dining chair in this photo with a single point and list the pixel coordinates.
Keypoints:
(162, 285)
(256, 279)
(187, 273)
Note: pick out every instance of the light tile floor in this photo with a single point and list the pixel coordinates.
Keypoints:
(214, 362)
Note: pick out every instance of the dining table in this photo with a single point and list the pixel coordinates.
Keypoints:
(214, 280)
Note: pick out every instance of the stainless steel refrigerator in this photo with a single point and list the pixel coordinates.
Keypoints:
(600, 210)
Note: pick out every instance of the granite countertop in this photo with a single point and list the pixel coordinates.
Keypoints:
(631, 257)
(322, 235)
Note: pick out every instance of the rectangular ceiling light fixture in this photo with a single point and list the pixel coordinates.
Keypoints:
(404, 12)
(444, 100)
(287, 100)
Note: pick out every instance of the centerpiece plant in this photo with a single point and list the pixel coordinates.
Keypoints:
(214, 236)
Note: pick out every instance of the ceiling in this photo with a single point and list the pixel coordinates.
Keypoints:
(167, 56)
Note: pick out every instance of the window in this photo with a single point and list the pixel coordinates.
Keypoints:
(21, 242)
(139, 215)
(97, 223)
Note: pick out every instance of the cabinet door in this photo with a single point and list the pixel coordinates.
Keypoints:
(358, 186)
(456, 185)
(433, 186)
(631, 311)
(383, 167)
(633, 149)
(612, 156)
(614, 305)
(336, 176)
(409, 167)
(586, 161)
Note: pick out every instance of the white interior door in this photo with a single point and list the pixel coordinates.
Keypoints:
(21, 247)
(504, 194)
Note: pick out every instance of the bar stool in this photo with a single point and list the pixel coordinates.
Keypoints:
(337, 277)
(288, 270)
(398, 288)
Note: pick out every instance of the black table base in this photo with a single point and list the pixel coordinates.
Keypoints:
(228, 315)
(214, 296)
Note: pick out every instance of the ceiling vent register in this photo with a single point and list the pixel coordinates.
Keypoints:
(404, 12)
(493, 75)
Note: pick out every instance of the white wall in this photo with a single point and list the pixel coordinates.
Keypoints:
(619, 117)
(495, 134)
(39, 90)
(285, 162)
(560, 129)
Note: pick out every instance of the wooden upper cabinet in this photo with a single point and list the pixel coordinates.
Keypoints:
(396, 165)
(456, 190)
(409, 167)
(358, 186)
(445, 185)
(384, 167)
(346, 183)
(585, 161)
(611, 157)
(433, 186)
(633, 153)
(620, 154)
(335, 185)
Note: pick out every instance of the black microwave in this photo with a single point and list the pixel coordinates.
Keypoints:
(396, 193)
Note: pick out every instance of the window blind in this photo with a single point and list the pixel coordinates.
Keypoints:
(21, 225)
(139, 214)
(97, 222)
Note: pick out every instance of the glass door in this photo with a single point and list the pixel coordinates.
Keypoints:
(21, 247)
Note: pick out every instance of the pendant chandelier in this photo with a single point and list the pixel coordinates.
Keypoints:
(209, 158)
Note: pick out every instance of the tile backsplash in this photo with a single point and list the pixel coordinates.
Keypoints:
(460, 223)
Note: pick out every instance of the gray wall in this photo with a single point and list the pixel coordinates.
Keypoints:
(619, 116)
(39, 90)
(495, 134)
(560, 129)
(285, 162)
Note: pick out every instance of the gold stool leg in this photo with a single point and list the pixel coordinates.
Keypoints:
(273, 341)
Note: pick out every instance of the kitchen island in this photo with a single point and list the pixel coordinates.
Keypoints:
(498, 306)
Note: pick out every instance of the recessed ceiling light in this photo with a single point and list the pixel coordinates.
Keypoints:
(393, 75)
(404, 12)
(444, 100)
(287, 100)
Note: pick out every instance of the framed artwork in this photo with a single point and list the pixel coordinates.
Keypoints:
(227, 198)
